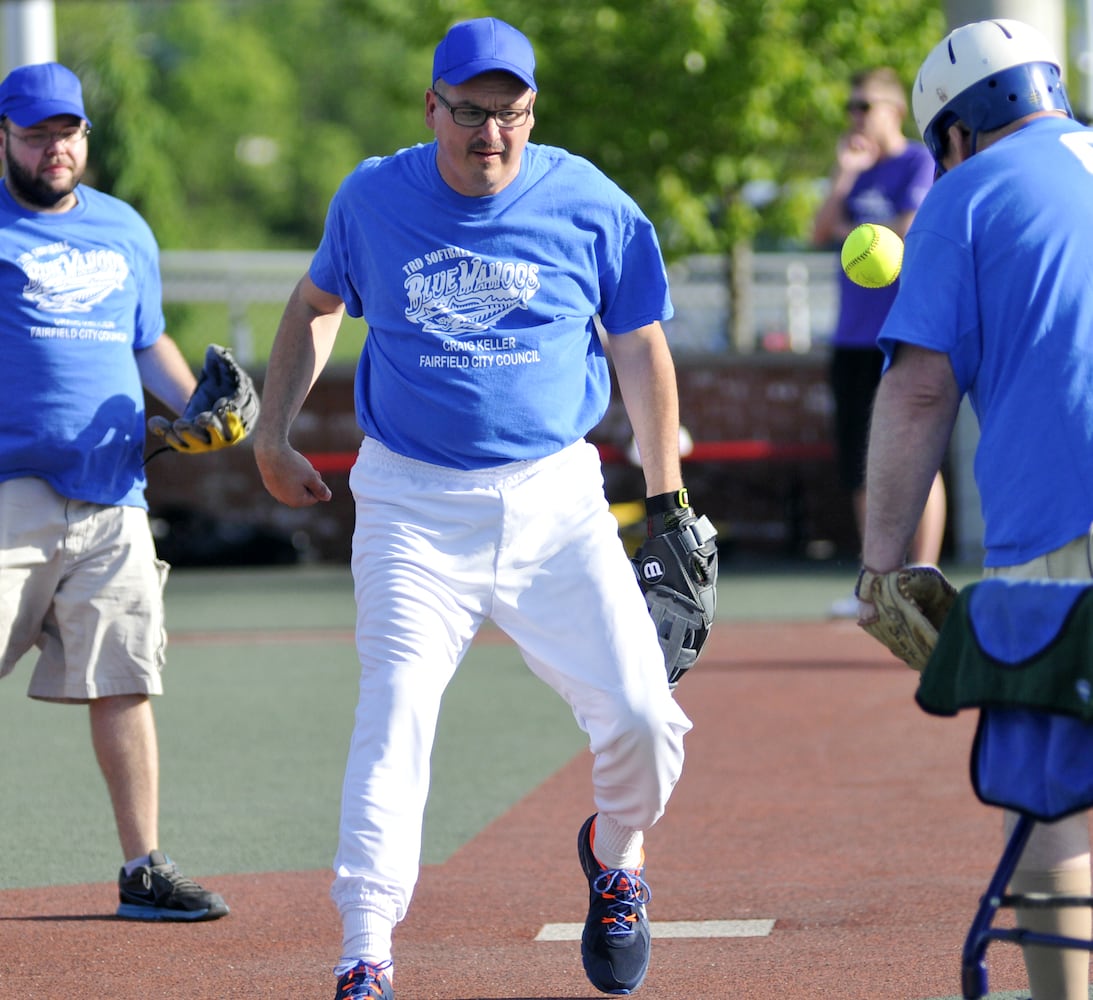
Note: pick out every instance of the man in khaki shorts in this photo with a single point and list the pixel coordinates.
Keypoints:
(995, 303)
(81, 336)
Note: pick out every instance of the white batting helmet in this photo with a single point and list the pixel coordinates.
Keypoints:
(986, 74)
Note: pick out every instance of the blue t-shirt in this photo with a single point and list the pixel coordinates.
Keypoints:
(998, 274)
(481, 345)
(79, 292)
(889, 188)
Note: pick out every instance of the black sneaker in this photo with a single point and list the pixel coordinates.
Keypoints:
(615, 942)
(159, 891)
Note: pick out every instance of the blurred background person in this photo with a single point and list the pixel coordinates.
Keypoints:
(880, 176)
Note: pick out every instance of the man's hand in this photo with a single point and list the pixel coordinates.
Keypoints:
(856, 153)
(904, 610)
(289, 476)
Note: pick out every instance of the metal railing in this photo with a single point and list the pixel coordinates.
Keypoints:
(236, 278)
(783, 301)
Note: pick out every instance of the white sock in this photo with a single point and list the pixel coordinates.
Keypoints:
(132, 866)
(366, 936)
(617, 846)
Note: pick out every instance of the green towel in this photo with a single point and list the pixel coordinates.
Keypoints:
(1014, 643)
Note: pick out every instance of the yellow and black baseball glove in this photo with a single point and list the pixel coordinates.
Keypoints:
(221, 412)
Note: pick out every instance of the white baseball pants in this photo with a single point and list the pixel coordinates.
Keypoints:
(533, 547)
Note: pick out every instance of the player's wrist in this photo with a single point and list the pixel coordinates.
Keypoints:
(665, 503)
(667, 512)
(866, 575)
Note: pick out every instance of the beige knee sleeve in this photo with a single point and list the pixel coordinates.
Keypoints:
(1056, 973)
(1056, 862)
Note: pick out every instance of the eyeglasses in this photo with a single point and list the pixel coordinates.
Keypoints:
(860, 106)
(471, 117)
(41, 138)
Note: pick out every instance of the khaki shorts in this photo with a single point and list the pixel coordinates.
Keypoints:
(82, 583)
(1073, 561)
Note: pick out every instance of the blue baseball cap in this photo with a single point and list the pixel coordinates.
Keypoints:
(30, 94)
(481, 45)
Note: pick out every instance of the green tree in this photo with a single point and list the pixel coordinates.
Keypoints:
(693, 106)
(229, 123)
(128, 156)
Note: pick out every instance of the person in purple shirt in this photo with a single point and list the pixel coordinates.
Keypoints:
(880, 176)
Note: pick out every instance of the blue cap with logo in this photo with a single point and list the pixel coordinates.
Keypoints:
(30, 94)
(482, 45)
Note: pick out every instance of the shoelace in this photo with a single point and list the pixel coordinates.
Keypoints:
(628, 890)
(178, 881)
(365, 975)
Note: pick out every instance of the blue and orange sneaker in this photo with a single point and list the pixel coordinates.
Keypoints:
(366, 981)
(615, 942)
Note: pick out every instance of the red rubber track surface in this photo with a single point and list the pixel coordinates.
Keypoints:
(815, 794)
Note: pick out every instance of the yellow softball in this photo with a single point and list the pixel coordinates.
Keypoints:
(872, 255)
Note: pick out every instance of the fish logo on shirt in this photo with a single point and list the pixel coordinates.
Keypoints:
(466, 294)
(61, 279)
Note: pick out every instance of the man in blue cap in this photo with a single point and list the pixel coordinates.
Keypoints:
(81, 336)
(481, 263)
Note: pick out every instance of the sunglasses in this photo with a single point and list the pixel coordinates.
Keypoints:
(862, 106)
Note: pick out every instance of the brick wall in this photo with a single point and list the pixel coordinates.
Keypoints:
(762, 467)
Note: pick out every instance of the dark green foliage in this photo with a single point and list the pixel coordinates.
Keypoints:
(230, 124)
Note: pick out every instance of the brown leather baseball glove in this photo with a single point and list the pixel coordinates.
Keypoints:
(911, 604)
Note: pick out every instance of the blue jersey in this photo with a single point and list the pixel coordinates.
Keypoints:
(79, 292)
(998, 274)
(481, 345)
